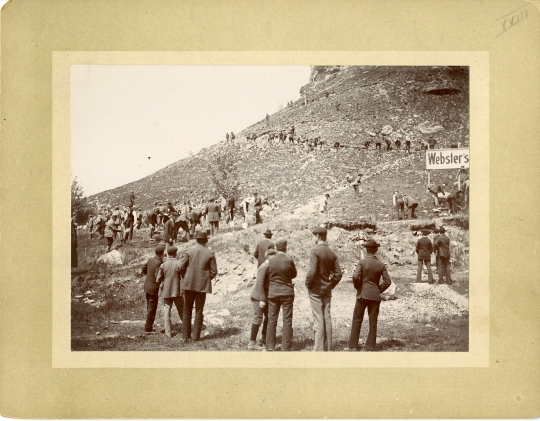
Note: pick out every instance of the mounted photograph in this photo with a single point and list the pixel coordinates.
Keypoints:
(270, 208)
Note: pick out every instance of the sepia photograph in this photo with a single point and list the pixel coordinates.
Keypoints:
(270, 208)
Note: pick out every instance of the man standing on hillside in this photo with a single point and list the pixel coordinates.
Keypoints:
(410, 206)
(323, 204)
(408, 145)
(323, 275)
(399, 205)
(232, 136)
(267, 119)
(281, 272)
(168, 231)
(213, 215)
(152, 220)
(230, 208)
(261, 248)
(424, 248)
(227, 137)
(260, 303)
(366, 280)
(151, 287)
(198, 267)
(168, 278)
(442, 246)
(257, 205)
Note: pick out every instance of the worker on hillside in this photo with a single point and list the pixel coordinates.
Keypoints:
(152, 220)
(259, 302)
(435, 190)
(168, 278)
(233, 136)
(227, 137)
(441, 244)
(408, 145)
(424, 248)
(366, 281)
(410, 207)
(323, 204)
(195, 219)
(267, 119)
(198, 267)
(323, 275)
(388, 143)
(169, 233)
(280, 295)
(213, 215)
(110, 230)
(151, 287)
(399, 205)
(263, 245)
(432, 142)
(230, 208)
(378, 143)
(356, 183)
(454, 200)
(257, 205)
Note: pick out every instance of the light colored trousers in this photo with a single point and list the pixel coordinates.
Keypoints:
(168, 303)
(322, 321)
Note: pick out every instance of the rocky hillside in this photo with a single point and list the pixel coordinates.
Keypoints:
(345, 104)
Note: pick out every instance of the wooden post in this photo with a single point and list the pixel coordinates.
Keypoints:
(459, 180)
(428, 177)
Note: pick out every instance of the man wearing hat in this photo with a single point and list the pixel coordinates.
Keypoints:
(260, 303)
(151, 287)
(195, 219)
(168, 231)
(181, 221)
(366, 280)
(261, 248)
(168, 278)
(441, 244)
(323, 275)
(281, 272)
(424, 248)
(213, 215)
(198, 267)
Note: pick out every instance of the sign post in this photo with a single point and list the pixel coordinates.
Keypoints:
(446, 159)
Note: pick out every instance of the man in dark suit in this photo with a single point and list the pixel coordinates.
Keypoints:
(281, 272)
(213, 215)
(366, 280)
(442, 245)
(151, 287)
(424, 248)
(261, 248)
(168, 231)
(323, 275)
(198, 267)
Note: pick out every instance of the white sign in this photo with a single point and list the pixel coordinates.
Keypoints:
(444, 159)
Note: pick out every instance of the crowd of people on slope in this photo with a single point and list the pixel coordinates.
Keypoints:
(185, 280)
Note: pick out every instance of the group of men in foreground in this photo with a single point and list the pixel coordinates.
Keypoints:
(185, 282)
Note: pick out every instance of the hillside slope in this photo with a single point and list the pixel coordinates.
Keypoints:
(349, 105)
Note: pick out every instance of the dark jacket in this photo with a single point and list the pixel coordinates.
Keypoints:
(213, 212)
(260, 289)
(324, 272)
(168, 231)
(281, 272)
(257, 204)
(424, 248)
(367, 276)
(150, 269)
(442, 245)
(198, 266)
(409, 201)
(195, 216)
(260, 250)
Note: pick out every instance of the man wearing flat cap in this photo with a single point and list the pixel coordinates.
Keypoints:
(366, 280)
(424, 248)
(198, 267)
(261, 248)
(169, 279)
(281, 272)
(151, 287)
(441, 244)
(323, 275)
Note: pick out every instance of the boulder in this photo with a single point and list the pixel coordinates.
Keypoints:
(113, 257)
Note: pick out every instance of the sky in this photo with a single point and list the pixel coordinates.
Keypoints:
(130, 121)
